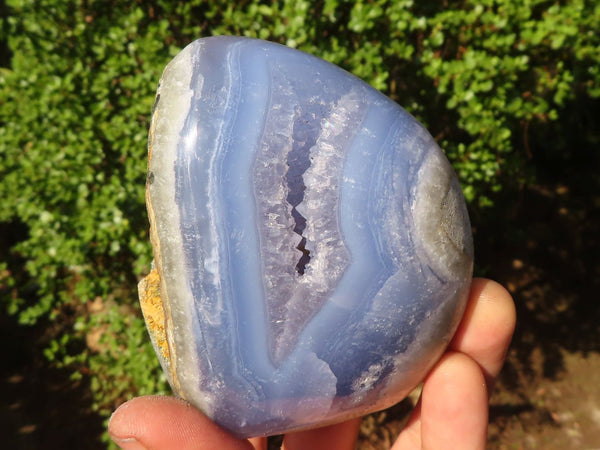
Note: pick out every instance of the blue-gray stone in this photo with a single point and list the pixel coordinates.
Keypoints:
(311, 240)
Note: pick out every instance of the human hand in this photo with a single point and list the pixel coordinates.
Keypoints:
(451, 413)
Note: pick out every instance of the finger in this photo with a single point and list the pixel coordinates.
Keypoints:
(453, 410)
(165, 423)
(259, 443)
(487, 327)
(484, 335)
(410, 437)
(340, 436)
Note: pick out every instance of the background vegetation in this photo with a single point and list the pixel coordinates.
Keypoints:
(503, 85)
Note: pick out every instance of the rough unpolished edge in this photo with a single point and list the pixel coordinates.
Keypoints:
(154, 316)
(149, 292)
(161, 153)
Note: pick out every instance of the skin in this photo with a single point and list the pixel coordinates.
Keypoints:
(451, 413)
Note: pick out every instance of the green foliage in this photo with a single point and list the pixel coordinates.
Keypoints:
(77, 85)
(74, 109)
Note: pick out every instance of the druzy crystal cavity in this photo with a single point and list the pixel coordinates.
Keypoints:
(312, 247)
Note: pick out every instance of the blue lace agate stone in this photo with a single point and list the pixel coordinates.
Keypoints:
(312, 247)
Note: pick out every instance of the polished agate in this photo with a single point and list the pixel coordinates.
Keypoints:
(312, 248)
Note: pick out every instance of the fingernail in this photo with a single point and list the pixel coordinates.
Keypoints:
(128, 443)
(119, 433)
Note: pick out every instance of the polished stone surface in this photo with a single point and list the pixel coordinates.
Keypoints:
(312, 246)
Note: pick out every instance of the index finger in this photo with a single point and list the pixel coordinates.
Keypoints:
(487, 326)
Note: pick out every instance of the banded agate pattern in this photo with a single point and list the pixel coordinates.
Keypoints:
(312, 247)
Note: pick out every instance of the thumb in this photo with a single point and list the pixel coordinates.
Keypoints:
(164, 423)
